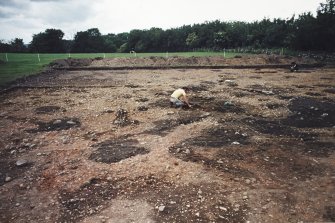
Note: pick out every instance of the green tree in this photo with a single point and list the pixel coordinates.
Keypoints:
(305, 33)
(221, 40)
(192, 40)
(156, 40)
(4, 47)
(124, 48)
(135, 40)
(17, 46)
(109, 40)
(50, 41)
(176, 38)
(326, 26)
(90, 41)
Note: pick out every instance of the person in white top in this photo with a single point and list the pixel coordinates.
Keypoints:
(179, 98)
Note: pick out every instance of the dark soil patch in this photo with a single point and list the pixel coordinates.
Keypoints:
(209, 104)
(266, 72)
(213, 140)
(255, 77)
(330, 90)
(217, 137)
(285, 97)
(115, 150)
(163, 93)
(311, 113)
(86, 201)
(108, 111)
(275, 127)
(284, 162)
(161, 102)
(285, 168)
(323, 85)
(199, 88)
(56, 125)
(226, 107)
(267, 90)
(302, 86)
(48, 109)
(191, 154)
(211, 83)
(329, 214)
(202, 102)
(8, 168)
(200, 99)
(289, 77)
(143, 108)
(142, 99)
(164, 127)
(132, 86)
(240, 94)
(319, 149)
(316, 94)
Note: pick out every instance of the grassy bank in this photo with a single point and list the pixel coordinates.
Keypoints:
(17, 65)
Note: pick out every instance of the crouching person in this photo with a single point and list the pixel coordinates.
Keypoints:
(294, 67)
(179, 98)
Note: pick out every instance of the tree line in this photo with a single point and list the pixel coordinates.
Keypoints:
(304, 32)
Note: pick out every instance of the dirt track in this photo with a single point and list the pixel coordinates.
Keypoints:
(104, 146)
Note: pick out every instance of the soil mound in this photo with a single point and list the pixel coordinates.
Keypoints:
(122, 118)
(61, 63)
(199, 61)
(176, 61)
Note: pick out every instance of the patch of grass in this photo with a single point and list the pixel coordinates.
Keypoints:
(24, 64)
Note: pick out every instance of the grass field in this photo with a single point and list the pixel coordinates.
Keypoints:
(17, 65)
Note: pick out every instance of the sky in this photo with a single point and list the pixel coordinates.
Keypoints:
(23, 18)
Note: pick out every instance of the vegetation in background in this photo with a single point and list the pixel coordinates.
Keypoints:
(304, 32)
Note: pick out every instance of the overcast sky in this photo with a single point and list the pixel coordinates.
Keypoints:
(23, 18)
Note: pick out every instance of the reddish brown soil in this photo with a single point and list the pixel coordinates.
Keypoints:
(104, 146)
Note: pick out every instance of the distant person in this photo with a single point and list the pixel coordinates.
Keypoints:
(179, 98)
(294, 67)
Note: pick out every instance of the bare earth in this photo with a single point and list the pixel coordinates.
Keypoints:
(105, 146)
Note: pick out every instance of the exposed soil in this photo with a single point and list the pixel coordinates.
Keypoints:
(258, 145)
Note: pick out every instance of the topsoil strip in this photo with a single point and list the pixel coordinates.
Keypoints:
(258, 66)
